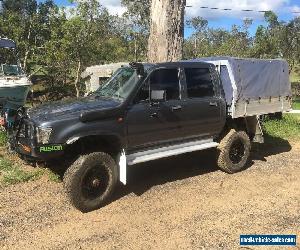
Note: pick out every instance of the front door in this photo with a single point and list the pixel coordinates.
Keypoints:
(153, 123)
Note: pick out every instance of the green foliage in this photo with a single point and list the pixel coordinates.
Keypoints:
(287, 128)
(138, 12)
(59, 44)
(3, 138)
(11, 173)
(275, 40)
(295, 74)
(198, 23)
(51, 175)
(296, 104)
(218, 42)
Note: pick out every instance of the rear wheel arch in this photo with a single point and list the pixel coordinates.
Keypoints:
(237, 124)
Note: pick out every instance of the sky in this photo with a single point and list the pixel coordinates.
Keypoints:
(219, 18)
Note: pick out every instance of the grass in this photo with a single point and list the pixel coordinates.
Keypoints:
(12, 172)
(3, 138)
(296, 104)
(287, 128)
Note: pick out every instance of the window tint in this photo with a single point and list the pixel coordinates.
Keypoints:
(166, 79)
(199, 83)
(143, 93)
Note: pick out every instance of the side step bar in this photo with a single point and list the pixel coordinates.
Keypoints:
(168, 151)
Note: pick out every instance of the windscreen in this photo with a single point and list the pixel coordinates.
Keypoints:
(120, 85)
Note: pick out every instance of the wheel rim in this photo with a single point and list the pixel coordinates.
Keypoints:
(237, 152)
(95, 182)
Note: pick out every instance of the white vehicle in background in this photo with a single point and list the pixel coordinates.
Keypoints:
(14, 84)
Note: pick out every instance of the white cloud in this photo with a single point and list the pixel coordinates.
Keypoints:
(295, 8)
(236, 6)
(114, 6)
(279, 6)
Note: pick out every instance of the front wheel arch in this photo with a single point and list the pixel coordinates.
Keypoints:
(86, 187)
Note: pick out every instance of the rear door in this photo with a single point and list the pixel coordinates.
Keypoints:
(203, 105)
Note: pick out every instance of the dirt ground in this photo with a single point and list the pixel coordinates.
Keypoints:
(179, 203)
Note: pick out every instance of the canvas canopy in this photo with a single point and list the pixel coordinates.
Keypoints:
(7, 43)
(248, 79)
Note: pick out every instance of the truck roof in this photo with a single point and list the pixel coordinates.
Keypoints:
(180, 63)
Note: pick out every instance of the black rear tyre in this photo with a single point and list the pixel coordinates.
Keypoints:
(91, 180)
(234, 151)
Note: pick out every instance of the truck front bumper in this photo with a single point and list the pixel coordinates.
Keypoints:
(41, 152)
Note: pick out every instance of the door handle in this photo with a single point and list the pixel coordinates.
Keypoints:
(175, 108)
(213, 104)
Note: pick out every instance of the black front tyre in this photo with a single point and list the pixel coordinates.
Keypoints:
(234, 151)
(91, 180)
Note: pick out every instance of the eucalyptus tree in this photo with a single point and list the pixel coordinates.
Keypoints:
(166, 30)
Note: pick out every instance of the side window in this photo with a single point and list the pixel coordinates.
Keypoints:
(199, 82)
(166, 79)
(143, 93)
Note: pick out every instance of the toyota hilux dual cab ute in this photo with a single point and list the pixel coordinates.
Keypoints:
(146, 112)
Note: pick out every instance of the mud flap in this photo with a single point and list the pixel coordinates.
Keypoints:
(123, 167)
(254, 128)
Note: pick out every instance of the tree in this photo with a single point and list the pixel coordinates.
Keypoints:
(166, 30)
(272, 19)
(273, 33)
(138, 12)
(18, 22)
(198, 23)
(26, 22)
(200, 26)
(137, 25)
(289, 42)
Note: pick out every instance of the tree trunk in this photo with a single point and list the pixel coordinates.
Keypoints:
(78, 78)
(26, 59)
(27, 46)
(166, 31)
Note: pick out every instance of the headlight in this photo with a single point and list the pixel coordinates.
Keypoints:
(43, 135)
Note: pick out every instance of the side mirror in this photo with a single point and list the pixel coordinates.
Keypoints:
(158, 95)
(139, 67)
